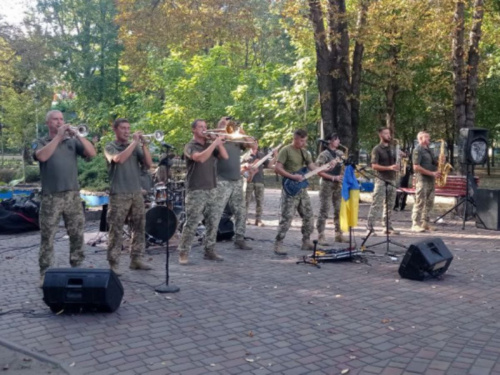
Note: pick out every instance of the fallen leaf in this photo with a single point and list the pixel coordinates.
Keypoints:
(249, 360)
(72, 364)
(345, 371)
(338, 295)
(391, 328)
(352, 357)
(27, 359)
(250, 333)
(212, 364)
(385, 321)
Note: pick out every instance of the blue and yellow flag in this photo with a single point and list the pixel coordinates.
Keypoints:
(349, 205)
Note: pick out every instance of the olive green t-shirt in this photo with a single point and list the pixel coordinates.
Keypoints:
(294, 159)
(423, 156)
(124, 178)
(200, 176)
(384, 155)
(229, 169)
(60, 172)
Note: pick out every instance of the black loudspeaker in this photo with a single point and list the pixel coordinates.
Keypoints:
(77, 289)
(226, 229)
(487, 208)
(424, 259)
(472, 146)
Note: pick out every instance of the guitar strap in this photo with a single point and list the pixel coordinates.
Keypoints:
(304, 161)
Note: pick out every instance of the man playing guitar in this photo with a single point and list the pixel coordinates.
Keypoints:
(292, 158)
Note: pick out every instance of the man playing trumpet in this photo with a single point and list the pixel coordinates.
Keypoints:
(125, 160)
(57, 155)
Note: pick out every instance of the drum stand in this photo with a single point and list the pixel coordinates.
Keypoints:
(166, 288)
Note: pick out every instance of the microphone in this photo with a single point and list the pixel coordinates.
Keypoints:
(167, 145)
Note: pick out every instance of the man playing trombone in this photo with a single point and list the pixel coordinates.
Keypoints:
(125, 159)
(230, 185)
(57, 154)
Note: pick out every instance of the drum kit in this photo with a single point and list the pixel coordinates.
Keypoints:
(166, 213)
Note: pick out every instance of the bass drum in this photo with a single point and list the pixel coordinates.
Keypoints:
(161, 223)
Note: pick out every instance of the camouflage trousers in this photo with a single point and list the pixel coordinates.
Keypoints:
(379, 207)
(424, 200)
(229, 192)
(68, 204)
(127, 207)
(329, 193)
(302, 203)
(256, 188)
(199, 204)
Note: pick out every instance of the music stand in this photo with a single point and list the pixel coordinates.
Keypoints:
(166, 288)
(387, 240)
(314, 260)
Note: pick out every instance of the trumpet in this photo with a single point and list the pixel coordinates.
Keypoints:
(81, 130)
(158, 136)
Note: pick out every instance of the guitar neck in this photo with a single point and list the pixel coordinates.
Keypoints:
(265, 158)
(316, 171)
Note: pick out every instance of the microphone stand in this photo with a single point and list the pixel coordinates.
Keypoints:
(166, 288)
(388, 240)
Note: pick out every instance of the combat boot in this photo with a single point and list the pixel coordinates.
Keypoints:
(417, 228)
(241, 244)
(137, 264)
(42, 279)
(322, 239)
(339, 237)
(183, 258)
(259, 223)
(278, 248)
(428, 227)
(210, 254)
(307, 245)
(114, 266)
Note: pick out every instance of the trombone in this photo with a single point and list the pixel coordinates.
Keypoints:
(230, 132)
(158, 136)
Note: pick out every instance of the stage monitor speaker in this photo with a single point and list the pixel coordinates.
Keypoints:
(424, 259)
(472, 146)
(81, 289)
(488, 208)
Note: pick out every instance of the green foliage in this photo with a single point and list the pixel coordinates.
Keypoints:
(93, 174)
(7, 175)
(32, 174)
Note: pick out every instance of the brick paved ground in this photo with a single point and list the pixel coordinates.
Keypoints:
(257, 313)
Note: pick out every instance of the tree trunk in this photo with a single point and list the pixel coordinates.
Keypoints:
(458, 66)
(472, 64)
(323, 67)
(344, 92)
(357, 67)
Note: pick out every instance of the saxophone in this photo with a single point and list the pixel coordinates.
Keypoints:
(443, 167)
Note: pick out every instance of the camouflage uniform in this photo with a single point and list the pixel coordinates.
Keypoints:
(302, 203)
(384, 155)
(424, 200)
(425, 185)
(378, 207)
(60, 196)
(258, 188)
(329, 192)
(199, 204)
(229, 192)
(68, 204)
(126, 207)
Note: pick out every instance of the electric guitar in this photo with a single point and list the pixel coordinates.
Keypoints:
(254, 168)
(292, 187)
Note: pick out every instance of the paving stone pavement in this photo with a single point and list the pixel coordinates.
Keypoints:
(257, 313)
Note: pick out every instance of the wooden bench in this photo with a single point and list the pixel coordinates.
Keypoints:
(455, 187)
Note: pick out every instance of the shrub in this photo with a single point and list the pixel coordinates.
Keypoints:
(93, 174)
(32, 174)
(7, 174)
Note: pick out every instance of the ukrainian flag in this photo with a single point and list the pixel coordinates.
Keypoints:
(349, 205)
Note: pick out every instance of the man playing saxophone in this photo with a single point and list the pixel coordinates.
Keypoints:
(425, 166)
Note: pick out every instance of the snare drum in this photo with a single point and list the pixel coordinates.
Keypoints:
(161, 223)
(160, 193)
